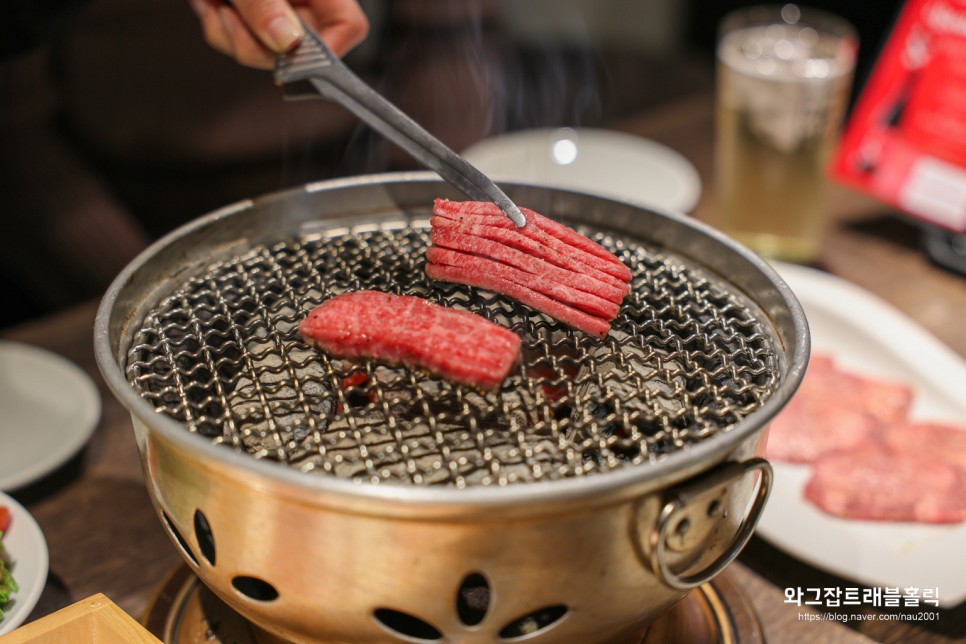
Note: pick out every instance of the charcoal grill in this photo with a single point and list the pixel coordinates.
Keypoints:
(343, 501)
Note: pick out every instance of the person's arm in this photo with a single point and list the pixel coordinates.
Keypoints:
(254, 32)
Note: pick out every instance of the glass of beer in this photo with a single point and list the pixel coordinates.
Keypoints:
(784, 74)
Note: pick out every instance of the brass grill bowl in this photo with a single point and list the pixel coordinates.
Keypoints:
(328, 500)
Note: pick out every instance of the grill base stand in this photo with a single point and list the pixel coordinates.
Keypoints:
(184, 611)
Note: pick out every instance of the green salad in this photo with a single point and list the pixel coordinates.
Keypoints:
(7, 585)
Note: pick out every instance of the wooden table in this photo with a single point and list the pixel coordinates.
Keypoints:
(104, 537)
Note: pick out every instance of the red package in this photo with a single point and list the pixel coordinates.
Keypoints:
(905, 142)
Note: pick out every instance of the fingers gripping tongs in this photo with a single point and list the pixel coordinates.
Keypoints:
(312, 70)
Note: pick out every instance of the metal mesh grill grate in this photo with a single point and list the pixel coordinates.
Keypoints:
(686, 359)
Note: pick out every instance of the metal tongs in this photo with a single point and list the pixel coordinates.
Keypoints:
(312, 70)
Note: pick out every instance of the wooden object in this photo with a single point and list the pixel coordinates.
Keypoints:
(95, 620)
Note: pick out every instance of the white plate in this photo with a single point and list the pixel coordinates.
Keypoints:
(602, 162)
(50, 408)
(868, 336)
(27, 549)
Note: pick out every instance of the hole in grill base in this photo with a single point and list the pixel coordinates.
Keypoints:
(169, 524)
(254, 588)
(714, 508)
(473, 599)
(535, 622)
(404, 624)
(206, 540)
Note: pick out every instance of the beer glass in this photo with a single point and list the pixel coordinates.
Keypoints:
(783, 79)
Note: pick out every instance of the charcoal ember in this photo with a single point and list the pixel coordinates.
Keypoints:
(271, 416)
(630, 396)
(403, 426)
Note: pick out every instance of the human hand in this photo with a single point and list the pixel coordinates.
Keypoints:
(254, 32)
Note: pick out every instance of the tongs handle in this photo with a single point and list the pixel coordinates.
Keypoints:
(314, 63)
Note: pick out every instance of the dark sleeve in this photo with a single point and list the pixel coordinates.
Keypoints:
(29, 23)
(63, 236)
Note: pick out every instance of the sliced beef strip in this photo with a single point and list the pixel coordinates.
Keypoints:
(558, 288)
(801, 433)
(887, 400)
(939, 441)
(400, 329)
(593, 325)
(547, 286)
(539, 228)
(556, 253)
(455, 240)
(834, 409)
(821, 417)
(547, 225)
(877, 484)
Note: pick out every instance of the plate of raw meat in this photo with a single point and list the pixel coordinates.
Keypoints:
(870, 455)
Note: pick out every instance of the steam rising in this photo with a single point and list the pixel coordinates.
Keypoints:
(465, 74)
